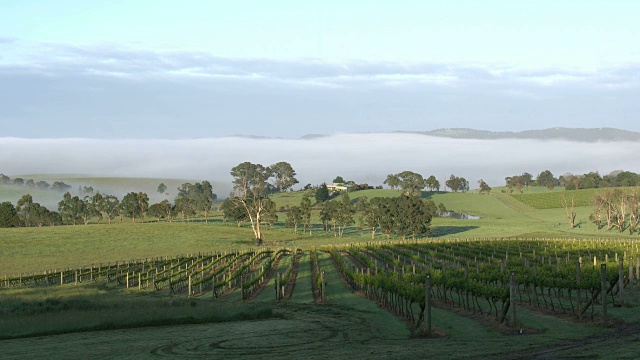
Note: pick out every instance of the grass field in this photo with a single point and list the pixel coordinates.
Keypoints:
(105, 321)
(49, 248)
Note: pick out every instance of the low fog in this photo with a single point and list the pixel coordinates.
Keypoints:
(363, 158)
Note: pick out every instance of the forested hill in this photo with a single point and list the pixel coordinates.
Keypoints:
(581, 135)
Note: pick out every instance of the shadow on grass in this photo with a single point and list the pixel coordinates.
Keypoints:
(450, 230)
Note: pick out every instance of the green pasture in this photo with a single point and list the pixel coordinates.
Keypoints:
(26, 250)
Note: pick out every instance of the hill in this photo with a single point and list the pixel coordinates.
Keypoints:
(559, 133)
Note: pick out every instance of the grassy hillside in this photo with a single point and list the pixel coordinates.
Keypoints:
(553, 200)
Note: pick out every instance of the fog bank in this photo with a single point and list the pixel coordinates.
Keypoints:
(364, 158)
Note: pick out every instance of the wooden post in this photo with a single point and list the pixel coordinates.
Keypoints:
(190, 287)
(512, 298)
(621, 281)
(127, 279)
(76, 277)
(213, 287)
(324, 299)
(578, 279)
(603, 291)
(61, 279)
(278, 287)
(427, 298)
(139, 281)
(630, 271)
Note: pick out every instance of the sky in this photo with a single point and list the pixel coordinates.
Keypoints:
(208, 69)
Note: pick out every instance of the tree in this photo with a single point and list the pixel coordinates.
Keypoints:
(627, 178)
(30, 184)
(233, 211)
(186, 207)
(39, 215)
(457, 184)
(4, 179)
(205, 198)
(591, 180)
(25, 209)
(387, 212)
(156, 211)
(519, 181)
(327, 213)
(338, 180)
(131, 206)
(484, 187)
(110, 207)
(392, 181)
(570, 212)
(284, 176)
(371, 214)
(546, 179)
(294, 217)
(167, 209)
(343, 215)
(162, 188)
(43, 185)
(97, 204)
(305, 208)
(412, 215)
(60, 186)
(88, 209)
(8, 215)
(322, 193)
(411, 183)
(18, 181)
(70, 208)
(143, 202)
(251, 191)
(196, 197)
(432, 183)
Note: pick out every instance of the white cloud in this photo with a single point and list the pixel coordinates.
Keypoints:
(364, 158)
(193, 94)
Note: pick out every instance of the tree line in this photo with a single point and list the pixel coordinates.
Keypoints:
(30, 183)
(74, 210)
(591, 180)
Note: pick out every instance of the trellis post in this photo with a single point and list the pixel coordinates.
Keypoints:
(427, 297)
(603, 291)
(512, 298)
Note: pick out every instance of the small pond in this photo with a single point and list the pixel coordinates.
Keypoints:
(457, 215)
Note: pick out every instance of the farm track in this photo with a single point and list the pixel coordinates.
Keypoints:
(621, 336)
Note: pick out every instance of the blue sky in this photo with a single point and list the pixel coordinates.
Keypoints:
(182, 69)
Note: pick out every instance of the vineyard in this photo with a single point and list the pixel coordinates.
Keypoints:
(486, 278)
(553, 200)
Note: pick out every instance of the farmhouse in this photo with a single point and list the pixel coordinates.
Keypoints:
(339, 187)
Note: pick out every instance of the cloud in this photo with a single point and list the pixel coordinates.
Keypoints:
(364, 158)
(112, 91)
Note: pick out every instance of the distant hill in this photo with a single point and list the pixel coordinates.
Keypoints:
(559, 133)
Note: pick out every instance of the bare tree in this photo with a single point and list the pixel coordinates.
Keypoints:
(569, 211)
